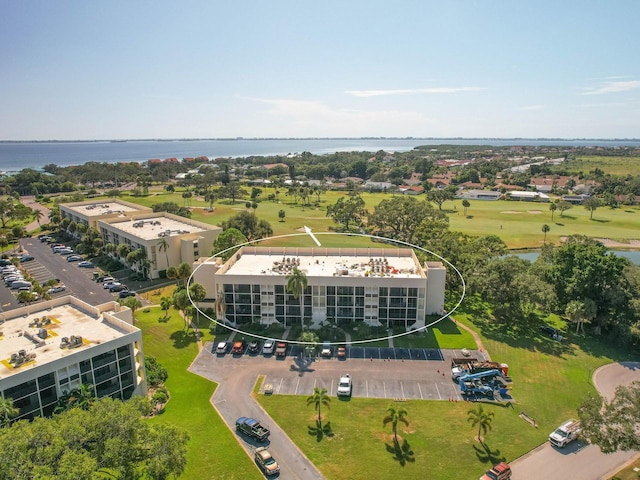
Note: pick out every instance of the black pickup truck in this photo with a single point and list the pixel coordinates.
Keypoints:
(252, 428)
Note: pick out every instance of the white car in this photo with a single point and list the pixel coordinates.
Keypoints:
(344, 386)
(222, 347)
(268, 347)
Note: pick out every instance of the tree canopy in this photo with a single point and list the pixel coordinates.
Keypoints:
(613, 425)
(110, 438)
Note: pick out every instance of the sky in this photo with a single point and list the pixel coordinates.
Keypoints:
(115, 69)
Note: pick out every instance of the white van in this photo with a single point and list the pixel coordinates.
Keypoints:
(20, 283)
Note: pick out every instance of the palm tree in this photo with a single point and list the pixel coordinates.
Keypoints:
(172, 273)
(465, 204)
(184, 272)
(318, 399)
(296, 285)
(553, 207)
(545, 229)
(165, 305)
(7, 411)
(37, 215)
(395, 415)
(482, 419)
(281, 215)
(163, 245)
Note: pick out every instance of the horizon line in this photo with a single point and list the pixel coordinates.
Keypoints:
(177, 139)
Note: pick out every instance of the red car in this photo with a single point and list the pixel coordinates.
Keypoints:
(238, 347)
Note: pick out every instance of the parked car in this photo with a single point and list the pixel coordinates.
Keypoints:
(32, 297)
(106, 285)
(66, 251)
(501, 471)
(74, 258)
(105, 279)
(222, 347)
(20, 283)
(266, 462)
(5, 262)
(26, 258)
(126, 293)
(344, 386)
(114, 288)
(326, 351)
(254, 346)
(551, 332)
(59, 247)
(268, 347)
(238, 347)
(44, 238)
(342, 352)
(57, 289)
(86, 264)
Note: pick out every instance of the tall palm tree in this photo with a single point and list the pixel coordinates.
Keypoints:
(165, 305)
(545, 229)
(318, 399)
(184, 272)
(395, 415)
(163, 245)
(482, 419)
(552, 208)
(7, 411)
(37, 215)
(296, 285)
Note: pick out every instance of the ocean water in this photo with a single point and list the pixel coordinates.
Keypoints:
(19, 155)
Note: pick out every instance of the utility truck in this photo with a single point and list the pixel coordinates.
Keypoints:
(464, 366)
(565, 433)
(482, 383)
(252, 427)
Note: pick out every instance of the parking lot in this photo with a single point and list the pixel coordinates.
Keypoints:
(48, 265)
(393, 373)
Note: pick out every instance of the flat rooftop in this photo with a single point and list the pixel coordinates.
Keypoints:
(101, 208)
(21, 333)
(156, 227)
(322, 262)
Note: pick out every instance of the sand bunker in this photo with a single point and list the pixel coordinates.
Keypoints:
(511, 211)
(534, 212)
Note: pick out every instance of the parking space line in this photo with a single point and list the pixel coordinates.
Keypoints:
(402, 390)
(420, 390)
(367, 387)
(280, 386)
(455, 393)
(438, 390)
(384, 386)
(297, 384)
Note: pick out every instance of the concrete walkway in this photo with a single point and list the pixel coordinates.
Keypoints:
(30, 201)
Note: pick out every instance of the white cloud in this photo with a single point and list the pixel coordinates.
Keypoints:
(612, 87)
(309, 116)
(411, 91)
(533, 107)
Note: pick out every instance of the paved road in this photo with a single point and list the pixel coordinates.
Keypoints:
(579, 460)
(233, 399)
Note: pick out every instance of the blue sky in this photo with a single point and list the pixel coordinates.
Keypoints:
(194, 69)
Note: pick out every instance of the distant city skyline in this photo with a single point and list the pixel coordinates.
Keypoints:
(72, 70)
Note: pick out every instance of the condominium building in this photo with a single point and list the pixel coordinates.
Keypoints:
(50, 348)
(166, 239)
(90, 211)
(379, 286)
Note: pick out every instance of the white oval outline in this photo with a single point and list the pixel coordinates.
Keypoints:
(356, 342)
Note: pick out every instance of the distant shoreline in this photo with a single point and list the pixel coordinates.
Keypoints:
(431, 139)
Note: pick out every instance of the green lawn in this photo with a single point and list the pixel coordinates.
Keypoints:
(519, 224)
(550, 379)
(213, 450)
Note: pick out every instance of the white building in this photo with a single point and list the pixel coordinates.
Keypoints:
(49, 348)
(379, 286)
(90, 211)
(186, 239)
